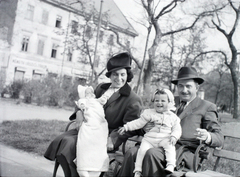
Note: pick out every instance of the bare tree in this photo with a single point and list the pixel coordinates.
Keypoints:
(180, 50)
(85, 34)
(232, 65)
(218, 86)
(218, 24)
(154, 13)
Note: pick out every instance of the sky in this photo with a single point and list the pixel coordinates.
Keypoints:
(132, 10)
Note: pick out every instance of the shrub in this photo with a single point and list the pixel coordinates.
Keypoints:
(15, 89)
(33, 91)
(72, 94)
(2, 82)
(48, 91)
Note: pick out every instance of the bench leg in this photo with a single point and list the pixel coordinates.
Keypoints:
(64, 164)
(216, 164)
(55, 168)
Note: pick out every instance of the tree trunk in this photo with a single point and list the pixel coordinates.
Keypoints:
(233, 69)
(152, 56)
(234, 73)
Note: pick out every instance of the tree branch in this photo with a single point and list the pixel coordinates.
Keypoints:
(213, 51)
(124, 47)
(201, 15)
(220, 29)
(164, 9)
(237, 11)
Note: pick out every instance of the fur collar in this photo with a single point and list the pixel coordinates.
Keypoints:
(125, 90)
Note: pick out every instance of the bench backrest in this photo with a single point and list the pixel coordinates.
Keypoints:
(224, 153)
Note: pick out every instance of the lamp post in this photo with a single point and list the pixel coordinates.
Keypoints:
(96, 45)
(144, 58)
(64, 49)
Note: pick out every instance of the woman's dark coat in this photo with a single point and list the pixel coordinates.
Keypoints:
(122, 106)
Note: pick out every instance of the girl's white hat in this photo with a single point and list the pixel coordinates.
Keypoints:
(171, 105)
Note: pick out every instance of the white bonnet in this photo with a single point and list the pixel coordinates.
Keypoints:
(82, 89)
(170, 98)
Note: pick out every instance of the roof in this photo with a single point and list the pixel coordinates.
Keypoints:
(113, 15)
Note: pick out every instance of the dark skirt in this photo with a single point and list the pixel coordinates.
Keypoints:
(65, 145)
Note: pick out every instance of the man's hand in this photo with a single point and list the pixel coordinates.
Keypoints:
(121, 131)
(202, 134)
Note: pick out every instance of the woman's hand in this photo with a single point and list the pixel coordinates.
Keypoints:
(110, 145)
(121, 131)
(79, 119)
(148, 126)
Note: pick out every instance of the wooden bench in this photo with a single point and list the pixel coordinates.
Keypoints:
(221, 153)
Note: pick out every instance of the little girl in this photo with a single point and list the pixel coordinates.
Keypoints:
(165, 133)
(92, 157)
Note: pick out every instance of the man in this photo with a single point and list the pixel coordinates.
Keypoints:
(199, 123)
(198, 117)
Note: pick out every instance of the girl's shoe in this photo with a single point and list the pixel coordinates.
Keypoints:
(137, 174)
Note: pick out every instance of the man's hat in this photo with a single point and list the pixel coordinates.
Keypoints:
(119, 61)
(188, 73)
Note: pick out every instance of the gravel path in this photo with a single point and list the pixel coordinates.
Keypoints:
(11, 110)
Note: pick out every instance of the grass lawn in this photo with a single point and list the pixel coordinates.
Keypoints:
(35, 135)
(31, 135)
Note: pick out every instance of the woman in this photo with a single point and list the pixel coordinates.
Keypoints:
(122, 106)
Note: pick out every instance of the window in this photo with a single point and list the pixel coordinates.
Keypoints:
(88, 32)
(52, 75)
(96, 62)
(74, 27)
(128, 44)
(40, 47)
(101, 36)
(69, 55)
(44, 17)
(110, 40)
(25, 42)
(67, 81)
(36, 76)
(30, 12)
(58, 22)
(19, 75)
(4, 33)
(54, 51)
(80, 80)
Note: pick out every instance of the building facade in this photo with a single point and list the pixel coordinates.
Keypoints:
(52, 37)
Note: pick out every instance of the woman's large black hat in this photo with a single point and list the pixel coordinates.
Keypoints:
(119, 61)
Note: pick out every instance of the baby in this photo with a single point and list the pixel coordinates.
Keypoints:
(86, 93)
(165, 132)
(92, 157)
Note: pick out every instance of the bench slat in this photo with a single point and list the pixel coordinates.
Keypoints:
(231, 131)
(207, 173)
(227, 154)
